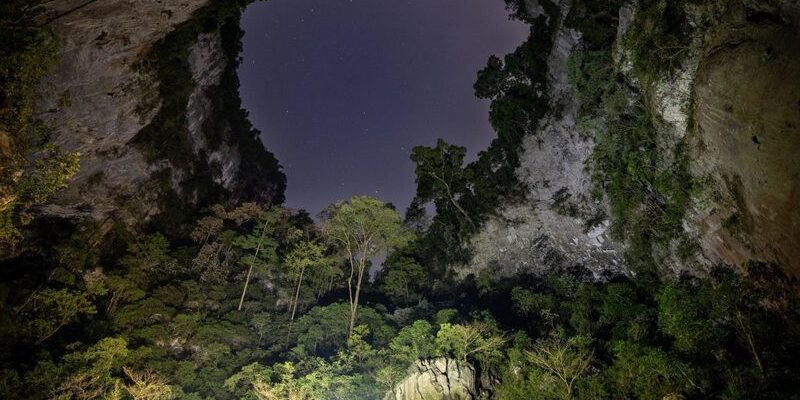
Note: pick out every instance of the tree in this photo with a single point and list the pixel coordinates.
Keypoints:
(321, 331)
(121, 290)
(216, 242)
(465, 341)
(562, 358)
(257, 242)
(288, 390)
(147, 385)
(440, 176)
(54, 309)
(206, 228)
(403, 279)
(92, 370)
(51, 173)
(149, 257)
(684, 309)
(413, 342)
(647, 373)
(362, 228)
(273, 225)
(260, 322)
(305, 255)
(324, 276)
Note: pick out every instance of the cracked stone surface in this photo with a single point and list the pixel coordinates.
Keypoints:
(437, 379)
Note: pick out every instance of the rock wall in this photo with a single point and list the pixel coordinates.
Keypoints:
(551, 228)
(102, 42)
(208, 62)
(105, 90)
(746, 136)
(732, 100)
(438, 379)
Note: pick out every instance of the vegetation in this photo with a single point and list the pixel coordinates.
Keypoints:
(149, 324)
(27, 54)
(465, 195)
(645, 177)
(255, 301)
(660, 37)
(361, 229)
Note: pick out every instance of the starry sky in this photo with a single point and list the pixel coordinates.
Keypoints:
(342, 90)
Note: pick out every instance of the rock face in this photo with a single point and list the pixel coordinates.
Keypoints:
(746, 125)
(732, 101)
(733, 104)
(438, 379)
(104, 91)
(102, 41)
(550, 229)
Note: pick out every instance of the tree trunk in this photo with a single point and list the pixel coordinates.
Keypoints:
(453, 200)
(252, 263)
(297, 292)
(354, 306)
(350, 293)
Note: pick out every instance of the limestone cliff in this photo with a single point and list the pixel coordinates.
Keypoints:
(745, 127)
(549, 229)
(147, 93)
(714, 180)
(732, 101)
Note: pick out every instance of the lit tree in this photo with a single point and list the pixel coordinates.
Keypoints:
(305, 255)
(272, 227)
(440, 176)
(147, 385)
(263, 247)
(362, 228)
(465, 341)
(562, 358)
(54, 309)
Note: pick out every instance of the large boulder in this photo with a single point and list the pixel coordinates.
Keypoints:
(437, 379)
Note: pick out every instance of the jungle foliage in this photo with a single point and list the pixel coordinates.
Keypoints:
(255, 301)
(465, 195)
(644, 176)
(30, 171)
(163, 317)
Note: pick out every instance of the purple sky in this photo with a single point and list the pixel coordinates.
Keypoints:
(344, 89)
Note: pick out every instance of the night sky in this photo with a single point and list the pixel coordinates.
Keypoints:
(342, 90)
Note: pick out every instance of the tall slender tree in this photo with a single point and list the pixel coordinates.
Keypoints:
(362, 228)
(261, 243)
(306, 255)
(274, 230)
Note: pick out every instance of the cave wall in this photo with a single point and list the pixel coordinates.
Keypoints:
(549, 228)
(107, 88)
(746, 123)
(731, 101)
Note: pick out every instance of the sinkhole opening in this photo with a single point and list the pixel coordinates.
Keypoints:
(342, 90)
